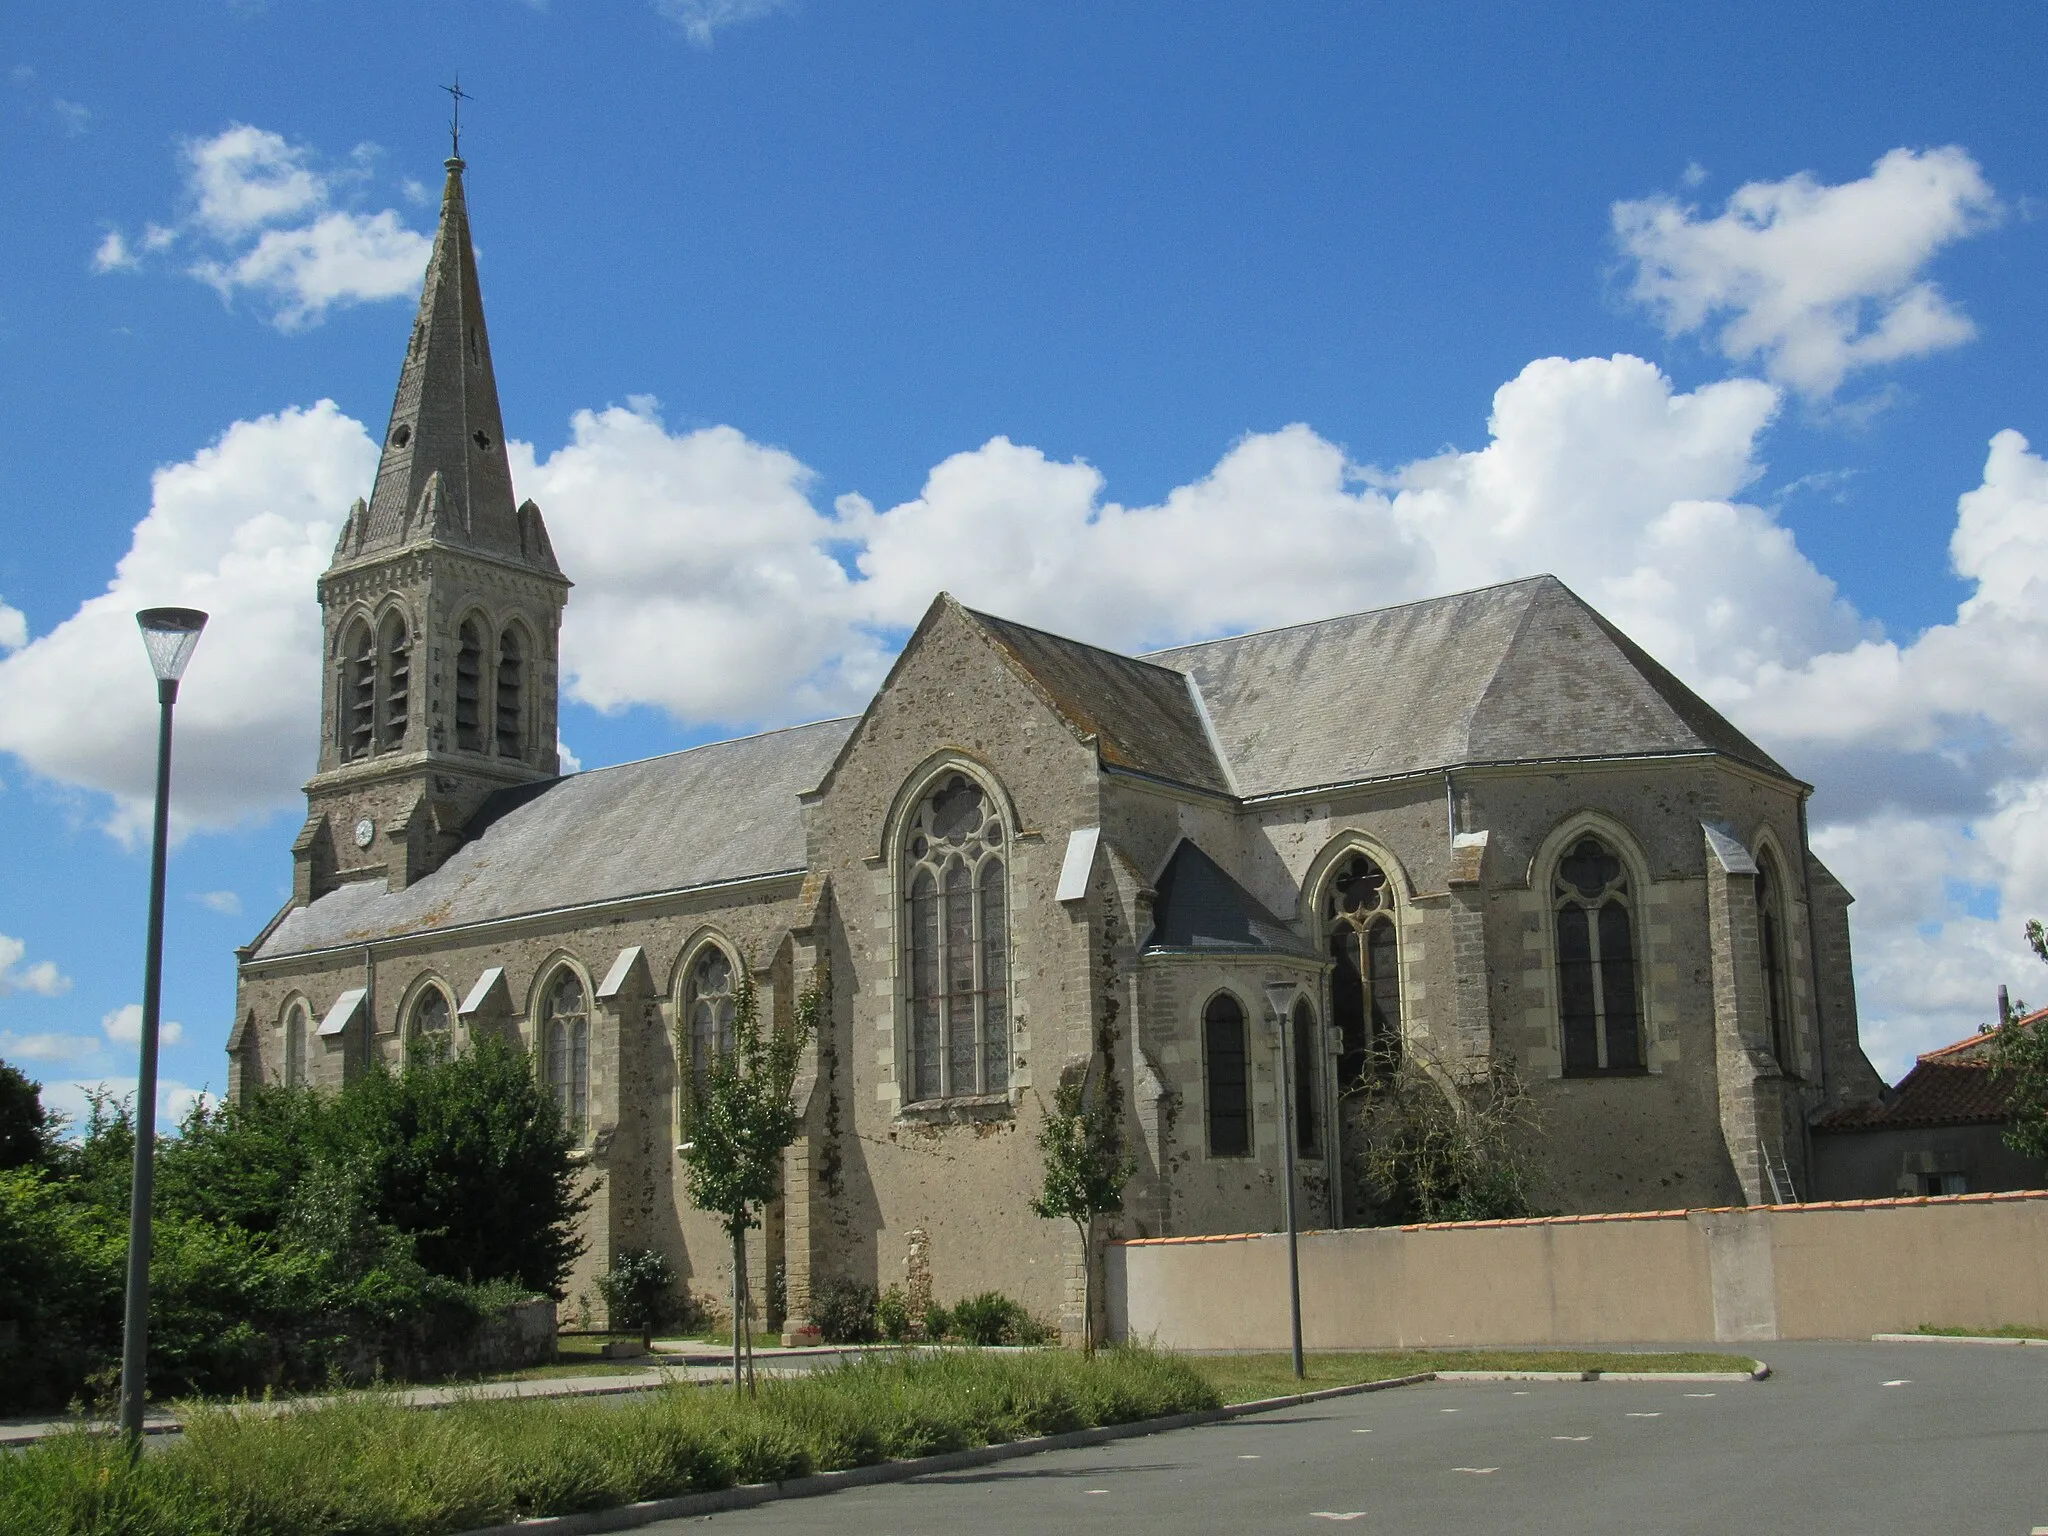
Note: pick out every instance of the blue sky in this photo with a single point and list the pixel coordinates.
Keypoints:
(1142, 322)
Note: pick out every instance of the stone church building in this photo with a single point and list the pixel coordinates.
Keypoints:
(1485, 828)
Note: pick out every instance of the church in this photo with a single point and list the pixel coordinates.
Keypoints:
(1480, 832)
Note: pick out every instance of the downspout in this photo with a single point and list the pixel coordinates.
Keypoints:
(1820, 1026)
(369, 1008)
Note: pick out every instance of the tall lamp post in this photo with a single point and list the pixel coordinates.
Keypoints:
(171, 635)
(1280, 997)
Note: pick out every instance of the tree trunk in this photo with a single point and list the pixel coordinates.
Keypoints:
(1087, 1294)
(739, 1280)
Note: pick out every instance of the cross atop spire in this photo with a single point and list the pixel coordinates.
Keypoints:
(457, 96)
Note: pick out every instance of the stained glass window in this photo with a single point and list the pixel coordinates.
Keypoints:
(957, 943)
(1599, 1014)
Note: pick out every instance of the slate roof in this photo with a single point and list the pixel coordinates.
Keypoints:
(1522, 672)
(1934, 1093)
(727, 811)
(1141, 713)
(1199, 906)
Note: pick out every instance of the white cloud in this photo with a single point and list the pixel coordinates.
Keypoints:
(266, 222)
(339, 258)
(242, 530)
(113, 255)
(46, 1047)
(124, 1027)
(13, 628)
(41, 978)
(227, 903)
(74, 117)
(699, 19)
(1814, 281)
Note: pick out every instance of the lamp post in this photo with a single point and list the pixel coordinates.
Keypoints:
(170, 635)
(1280, 998)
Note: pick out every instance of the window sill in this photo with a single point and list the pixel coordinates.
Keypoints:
(968, 1109)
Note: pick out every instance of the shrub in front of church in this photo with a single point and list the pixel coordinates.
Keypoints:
(993, 1318)
(641, 1292)
(298, 1237)
(844, 1311)
(368, 1464)
(1421, 1157)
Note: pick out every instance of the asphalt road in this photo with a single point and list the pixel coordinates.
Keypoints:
(1856, 1439)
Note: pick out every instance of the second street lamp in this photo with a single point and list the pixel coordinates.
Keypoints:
(170, 635)
(1280, 997)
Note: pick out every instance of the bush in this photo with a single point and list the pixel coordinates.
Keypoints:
(892, 1314)
(993, 1318)
(844, 1311)
(639, 1290)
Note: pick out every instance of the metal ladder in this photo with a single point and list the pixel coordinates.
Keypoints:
(1780, 1177)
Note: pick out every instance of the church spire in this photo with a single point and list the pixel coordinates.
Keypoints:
(444, 476)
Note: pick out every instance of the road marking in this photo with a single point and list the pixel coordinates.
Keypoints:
(1247, 1458)
(1331, 1514)
(1098, 1490)
(1518, 1394)
(1571, 1437)
(1903, 1381)
(1699, 1394)
(1645, 1415)
(1482, 1471)
(1450, 1410)
(1361, 1431)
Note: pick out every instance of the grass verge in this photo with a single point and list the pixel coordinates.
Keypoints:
(1245, 1378)
(366, 1465)
(2001, 1331)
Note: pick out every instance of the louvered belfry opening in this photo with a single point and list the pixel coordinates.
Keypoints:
(359, 684)
(469, 681)
(511, 681)
(397, 658)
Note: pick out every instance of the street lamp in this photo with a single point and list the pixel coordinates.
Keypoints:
(1280, 997)
(170, 635)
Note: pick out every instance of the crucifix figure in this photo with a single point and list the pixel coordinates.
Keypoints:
(458, 96)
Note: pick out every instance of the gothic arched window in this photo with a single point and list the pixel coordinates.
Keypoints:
(1308, 1080)
(1365, 978)
(511, 687)
(957, 944)
(1770, 924)
(295, 1031)
(708, 1005)
(395, 663)
(1226, 1077)
(357, 723)
(469, 682)
(1598, 1012)
(432, 1019)
(565, 1050)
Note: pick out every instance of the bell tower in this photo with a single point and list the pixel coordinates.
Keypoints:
(441, 612)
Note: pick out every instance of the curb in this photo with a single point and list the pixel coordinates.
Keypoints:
(1956, 1338)
(627, 1516)
(1762, 1370)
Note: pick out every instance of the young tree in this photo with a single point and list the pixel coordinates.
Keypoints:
(740, 1118)
(2020, 1056)
(1086, 1168)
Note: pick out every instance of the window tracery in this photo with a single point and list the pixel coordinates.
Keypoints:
(957, 943)
(432, 1017)
(565, 1046)
(1226, 1077)
(1365, 979)
(708, 1005)
(1599, 1014)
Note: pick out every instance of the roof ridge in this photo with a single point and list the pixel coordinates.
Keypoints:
(723, 741)
(1361, 613)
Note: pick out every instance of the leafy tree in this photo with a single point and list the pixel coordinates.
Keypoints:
(28, 1132)
(1087, 1166)
(238, 1164)
(1424, 1157)
(740, 1119)
(2019, 1056)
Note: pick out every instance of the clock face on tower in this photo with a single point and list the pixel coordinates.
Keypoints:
(366, 831)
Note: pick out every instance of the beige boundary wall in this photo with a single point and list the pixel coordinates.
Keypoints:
(1841, 1270)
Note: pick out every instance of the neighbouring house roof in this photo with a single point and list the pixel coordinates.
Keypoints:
(709, 815)
(1936, 1092)
(1200, 907)
(1522, 672)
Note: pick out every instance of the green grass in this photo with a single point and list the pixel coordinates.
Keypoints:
(2000, 1331)
(1245, 1378)
(369, 1467)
